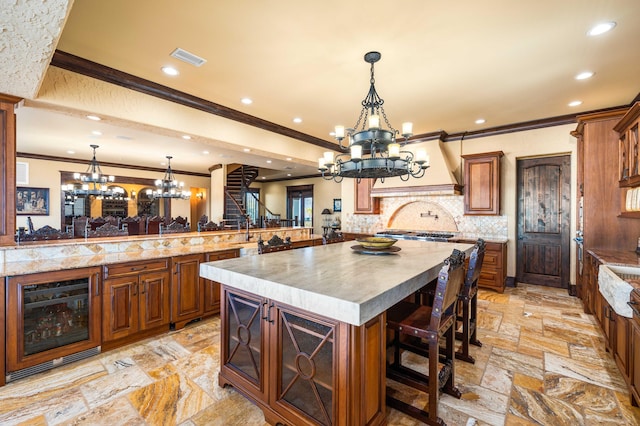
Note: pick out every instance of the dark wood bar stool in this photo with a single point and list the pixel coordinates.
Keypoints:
(468, 305)
(418, 328)
(467, 316)
(274, 244)
(333, 236)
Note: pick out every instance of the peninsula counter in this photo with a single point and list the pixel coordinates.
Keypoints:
(303, 331)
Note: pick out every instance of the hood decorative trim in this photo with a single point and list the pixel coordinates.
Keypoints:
(407, 191)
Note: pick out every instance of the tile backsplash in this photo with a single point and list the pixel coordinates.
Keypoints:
(427, 213)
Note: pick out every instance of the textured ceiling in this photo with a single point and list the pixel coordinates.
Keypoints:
(443, 65)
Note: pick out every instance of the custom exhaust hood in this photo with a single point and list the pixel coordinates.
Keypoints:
(438, 179)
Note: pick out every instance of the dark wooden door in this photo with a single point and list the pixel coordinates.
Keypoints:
(544, 199)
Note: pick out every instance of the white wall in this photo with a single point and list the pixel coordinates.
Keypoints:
(274, 195)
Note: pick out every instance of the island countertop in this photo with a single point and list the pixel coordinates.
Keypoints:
(333, 280)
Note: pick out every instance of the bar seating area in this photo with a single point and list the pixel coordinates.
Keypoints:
(467, 311)
(420, 329)
(445, 307)
(333, 237)
(274, 244)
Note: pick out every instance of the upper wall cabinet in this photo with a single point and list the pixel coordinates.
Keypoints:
(364, 203)
(628, 167)
(482, 183)
(627, 128)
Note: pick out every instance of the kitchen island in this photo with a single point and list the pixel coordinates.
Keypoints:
(303, 331)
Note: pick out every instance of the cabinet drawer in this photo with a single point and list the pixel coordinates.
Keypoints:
(488, 279)
(491, 262)
(221, 255)
(123, 269)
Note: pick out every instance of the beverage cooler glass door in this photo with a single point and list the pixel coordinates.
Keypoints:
(50, 316)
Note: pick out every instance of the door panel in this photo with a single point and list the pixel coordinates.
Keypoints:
(544, 193)
(154, 305)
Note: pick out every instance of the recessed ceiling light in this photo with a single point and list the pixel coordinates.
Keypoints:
(288, 174)
(575, 103)
(246, 101)
(297, 120)
(481, 121)
(601, 28)
(584, 75)
(288, 158)
(170, 71)
(71, 151)
(94, 117)
(246, 150)
(268, 161)
(187, 137)
(263, 177)
(96, 132)
(205, 152)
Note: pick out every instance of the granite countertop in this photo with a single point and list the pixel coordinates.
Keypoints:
(616, 257)
(494, 239)
(76, 253)
(333, 280)
(8, 269)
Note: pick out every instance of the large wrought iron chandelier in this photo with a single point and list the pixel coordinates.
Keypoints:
(374, 152)
(92, 182)
(168, 186)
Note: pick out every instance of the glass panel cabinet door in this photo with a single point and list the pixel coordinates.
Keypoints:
(306, 373)
(244, 336)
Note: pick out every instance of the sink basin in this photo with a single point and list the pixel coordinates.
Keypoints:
(615, 283)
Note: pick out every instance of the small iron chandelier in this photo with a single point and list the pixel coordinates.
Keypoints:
(92, 182)
(374, 151)
(168, 186)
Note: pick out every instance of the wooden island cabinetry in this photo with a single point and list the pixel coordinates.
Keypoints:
(300, 367)
(482, 183)
(135, 301)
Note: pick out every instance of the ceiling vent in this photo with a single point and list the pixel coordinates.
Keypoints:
(188, 57)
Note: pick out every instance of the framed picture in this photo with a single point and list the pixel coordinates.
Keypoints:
(337, 204)
(32, 201)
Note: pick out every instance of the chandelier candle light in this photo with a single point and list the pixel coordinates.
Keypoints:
(93, 182)
(374, 152)
(169, 187)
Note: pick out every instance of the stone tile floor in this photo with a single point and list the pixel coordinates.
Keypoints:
(542, 363)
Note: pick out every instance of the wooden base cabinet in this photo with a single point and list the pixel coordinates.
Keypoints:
(622, 344)
(634, 349)
(301, 368)
(494, 267)
(187, 289)
(135, 301)
(212, 288)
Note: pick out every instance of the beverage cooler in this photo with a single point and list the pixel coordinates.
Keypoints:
(52, 319)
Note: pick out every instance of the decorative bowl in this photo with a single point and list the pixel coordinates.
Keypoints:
(376, 243)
